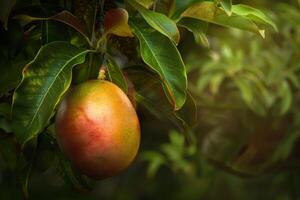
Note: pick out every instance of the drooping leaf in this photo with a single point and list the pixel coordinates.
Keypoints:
(44, 81)
(5, 9)
(158, 21)
(254, 14)
(166, 61)
(245, 18)
(63, 17)
(198, 28)
(116, 22)
(115, 73)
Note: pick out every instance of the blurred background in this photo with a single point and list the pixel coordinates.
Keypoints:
(242, 141)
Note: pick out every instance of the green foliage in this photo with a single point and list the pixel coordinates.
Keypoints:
(231, 101)
(163, 60)
(44, 82)
(159, 22)
(242, 17)
(198, 28)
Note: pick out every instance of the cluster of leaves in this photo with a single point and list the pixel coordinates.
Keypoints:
(247, 99)
(248, 95)
(50, 45)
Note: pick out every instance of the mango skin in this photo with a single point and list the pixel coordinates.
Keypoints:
(97, 128)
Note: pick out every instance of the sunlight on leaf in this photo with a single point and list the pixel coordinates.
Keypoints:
(44, 82)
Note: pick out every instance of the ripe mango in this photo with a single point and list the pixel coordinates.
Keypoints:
(97, 128)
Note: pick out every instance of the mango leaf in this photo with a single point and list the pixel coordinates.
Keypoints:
(198, 28)
(63, 17)
(5, 9)
(227, 5)
(243, 17)
(253, 14)
(44, 81)
(158, 21)
(115, 73)
(166, 61)
(116, 22)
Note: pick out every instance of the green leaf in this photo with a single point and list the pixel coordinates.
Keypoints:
(158, 21)
(245, 18)
(5, 9)
(198, 28)
(227, 5)
(44, 81)
(115, 73)
(254, 14)
(166, 61)
(63, 17)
